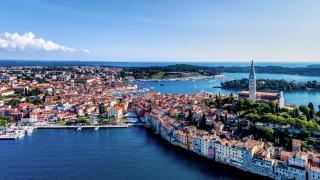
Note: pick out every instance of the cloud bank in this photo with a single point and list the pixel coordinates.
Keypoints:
(27, 41)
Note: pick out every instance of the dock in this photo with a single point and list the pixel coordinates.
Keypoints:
(19, 134)
(8, 137)
(83, 127)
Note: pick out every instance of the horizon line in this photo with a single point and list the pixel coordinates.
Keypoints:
(168, 61)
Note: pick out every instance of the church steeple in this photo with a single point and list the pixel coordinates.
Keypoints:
(252, 83)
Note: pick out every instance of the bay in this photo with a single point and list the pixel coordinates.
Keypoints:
(207, 84)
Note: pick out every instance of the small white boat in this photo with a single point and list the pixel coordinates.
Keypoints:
(28, 131)
(96, 128)
(79, 128)
(20, 134)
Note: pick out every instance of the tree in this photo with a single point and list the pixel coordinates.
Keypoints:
(295, 113)
(268, 134)
(272, 108)
(304, 109)
(203, 122)
(102, 109)
(190, 118)
(311, 107)
(3, 122)
(252, 117)
(277, 108)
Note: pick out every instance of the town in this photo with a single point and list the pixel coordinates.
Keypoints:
(252, 131)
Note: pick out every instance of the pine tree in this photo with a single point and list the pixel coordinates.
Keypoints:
(203, 122)
(311, 107)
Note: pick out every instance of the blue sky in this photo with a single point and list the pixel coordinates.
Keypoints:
(161, 30)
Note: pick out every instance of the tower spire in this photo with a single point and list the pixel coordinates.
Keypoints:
(252, 83)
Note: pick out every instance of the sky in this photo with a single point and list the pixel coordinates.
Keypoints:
(160, 30)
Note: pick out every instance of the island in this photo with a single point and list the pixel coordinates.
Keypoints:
(271, 85)
(185, 71)
(177, 71)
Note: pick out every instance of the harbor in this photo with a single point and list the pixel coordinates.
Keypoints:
(14, 132)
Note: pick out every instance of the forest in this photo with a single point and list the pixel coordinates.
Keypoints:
(271, 85)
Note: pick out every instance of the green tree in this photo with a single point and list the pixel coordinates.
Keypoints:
(252, 117)
(203, 122)
(311, 107)
(268, 134)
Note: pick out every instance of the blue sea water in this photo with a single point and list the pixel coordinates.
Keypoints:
(114, 154)
(181, 87)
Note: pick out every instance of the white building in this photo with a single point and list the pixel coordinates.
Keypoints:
(262, 166)
(30, 118)
(231, 154)
(115, 111)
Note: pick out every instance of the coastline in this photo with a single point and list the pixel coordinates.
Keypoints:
(241, 174)
(190, 78)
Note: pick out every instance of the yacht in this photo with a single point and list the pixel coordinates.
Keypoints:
(96, 128)
(79, 128)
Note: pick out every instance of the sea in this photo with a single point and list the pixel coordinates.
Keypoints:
(107, 154)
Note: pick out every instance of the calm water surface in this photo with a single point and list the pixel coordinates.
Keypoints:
(116, 154)
(181, 87)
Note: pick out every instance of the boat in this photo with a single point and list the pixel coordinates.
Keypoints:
(96, 128)
(79, 128)
(20, 134)
(28, 130)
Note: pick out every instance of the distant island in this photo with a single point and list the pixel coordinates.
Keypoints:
(168, 72)
(190, 71)
(312, 70)
(271, 85)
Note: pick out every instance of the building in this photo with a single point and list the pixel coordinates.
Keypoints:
(232, 153)
(296, 145)
(314, 173)
(116, 111)
(252, 83)
(252, 94)
(260, 96)
(6, 92)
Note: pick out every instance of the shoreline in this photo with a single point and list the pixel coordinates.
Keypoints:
(180, 79)
(21, 133)
(211, 162)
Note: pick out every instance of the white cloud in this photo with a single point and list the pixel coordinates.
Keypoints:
(27, 41)
(85, 51)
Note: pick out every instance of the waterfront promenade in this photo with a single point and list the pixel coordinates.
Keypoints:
(84, 127)
(19, 133)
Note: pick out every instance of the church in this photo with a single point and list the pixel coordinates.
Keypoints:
(252, 94)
